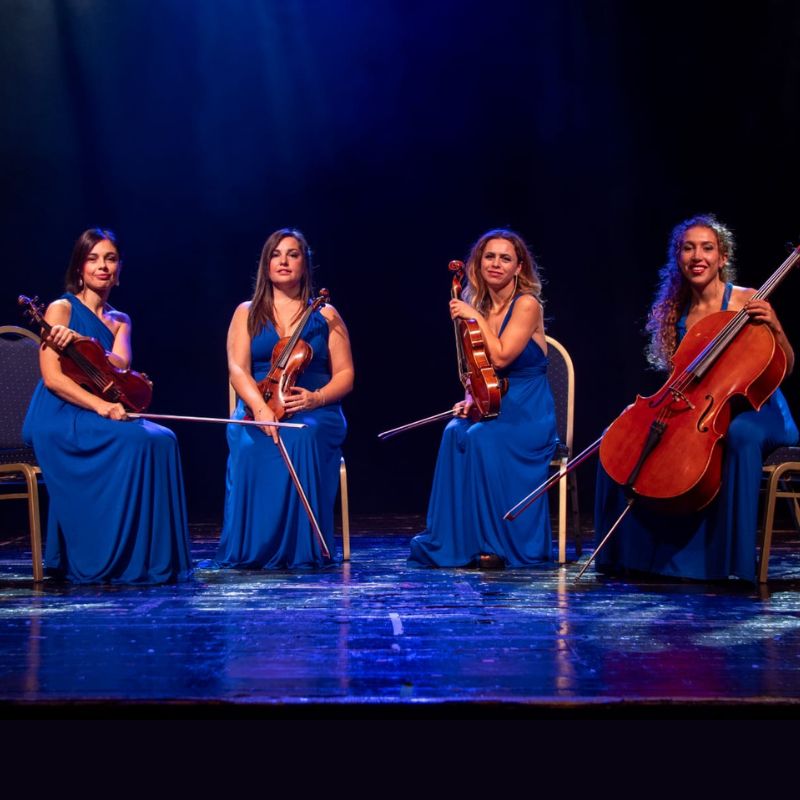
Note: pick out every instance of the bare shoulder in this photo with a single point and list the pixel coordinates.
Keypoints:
(330, 313)
(242, 310)
(529, 305)
(59, 311)
(118, 317)
(740, 295)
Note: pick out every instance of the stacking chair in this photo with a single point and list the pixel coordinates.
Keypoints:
(342, 487)
(782, 477)
(561, 375)
(19, 472)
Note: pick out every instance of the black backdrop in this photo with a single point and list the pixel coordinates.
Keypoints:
(393, 133)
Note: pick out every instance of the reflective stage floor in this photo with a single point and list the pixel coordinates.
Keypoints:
(377, 637)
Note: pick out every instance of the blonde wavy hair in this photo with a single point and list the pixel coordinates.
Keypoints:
(476, 293)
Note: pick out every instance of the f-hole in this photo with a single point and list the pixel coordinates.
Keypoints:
(701, 426)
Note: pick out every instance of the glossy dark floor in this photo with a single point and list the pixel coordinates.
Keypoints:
(376, 635)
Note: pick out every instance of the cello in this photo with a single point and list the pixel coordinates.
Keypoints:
(666, 450)
(86, 362)
(475, 371)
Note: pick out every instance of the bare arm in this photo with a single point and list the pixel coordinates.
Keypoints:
(761, 311)
(525, 324)
(239, 366)
(58, 315)
(342, 370)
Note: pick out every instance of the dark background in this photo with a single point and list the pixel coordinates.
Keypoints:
(393, 133)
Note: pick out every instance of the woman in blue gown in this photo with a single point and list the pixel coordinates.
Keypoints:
(117, 510)
(718, 541)
(484, 467)
(265, 525)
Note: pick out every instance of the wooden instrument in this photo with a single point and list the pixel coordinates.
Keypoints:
(475, 371)
(86, 362)
(667, 448)
(290, 356)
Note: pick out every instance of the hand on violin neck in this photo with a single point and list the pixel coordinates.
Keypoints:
(461, 310)
(60, 336)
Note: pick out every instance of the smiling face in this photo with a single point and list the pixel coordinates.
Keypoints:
(699, 256)
(286, 262)
(499, 263)
(101, 268)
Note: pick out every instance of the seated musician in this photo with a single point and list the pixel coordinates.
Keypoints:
(265, 524)
(720, 540)
(117, 510)
(485, 466)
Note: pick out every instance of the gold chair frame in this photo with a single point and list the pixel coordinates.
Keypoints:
(30, 473)
(775, 473)
(569, 484)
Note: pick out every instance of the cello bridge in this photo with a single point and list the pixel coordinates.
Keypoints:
(678, 395)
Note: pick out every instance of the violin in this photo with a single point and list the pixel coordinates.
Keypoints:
(667, 448)
(290, 356)
(86, 362)
(475, 371)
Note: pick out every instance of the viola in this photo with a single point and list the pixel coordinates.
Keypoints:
(87, 362)
(476, 372)
(667, 448)
(290, 356)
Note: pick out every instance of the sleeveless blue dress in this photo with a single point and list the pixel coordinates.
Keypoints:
(484, 468)
(717, 542)
(265, 525)
(117, 508)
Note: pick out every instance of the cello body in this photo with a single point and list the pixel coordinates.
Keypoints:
(667, 449)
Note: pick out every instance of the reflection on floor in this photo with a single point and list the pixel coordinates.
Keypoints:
(376, 635)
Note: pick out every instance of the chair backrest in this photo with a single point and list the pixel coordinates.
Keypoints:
(19, 374)
(561, 375)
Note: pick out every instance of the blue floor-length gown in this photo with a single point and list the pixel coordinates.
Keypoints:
(265, 525)
(485, 468)
(117, 509)
(717, 542)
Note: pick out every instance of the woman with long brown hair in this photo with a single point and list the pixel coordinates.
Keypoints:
(265, 525)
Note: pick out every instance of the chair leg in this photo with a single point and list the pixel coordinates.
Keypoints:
(576, 514)
(34, 524)
(766, 534)
(562, 514)
(345, 510)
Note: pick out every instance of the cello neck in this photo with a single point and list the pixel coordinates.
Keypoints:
(716, 346)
